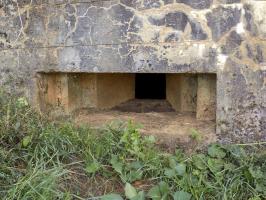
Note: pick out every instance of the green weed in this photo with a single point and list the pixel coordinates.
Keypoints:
(42, 159)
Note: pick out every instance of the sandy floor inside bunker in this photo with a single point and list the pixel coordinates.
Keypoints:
(156, 118)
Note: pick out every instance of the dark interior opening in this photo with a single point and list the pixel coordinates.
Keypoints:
(150, 86)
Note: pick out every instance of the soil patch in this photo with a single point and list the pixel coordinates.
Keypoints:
(156, 118)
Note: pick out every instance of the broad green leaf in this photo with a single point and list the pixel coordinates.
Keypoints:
(193, 179)
(182, 195)
(154, 193)
(134, 175)
(159, 192)
(111, 197)
(26, 141)
(130, 191)
(215, 165)
(180, 169)
(164, 188)
(199, 161)
(118, 166)
(93, 167)
(136, 165)
(256, 172)
(216, 151)
(140, 196)
(260, 187)
(172, 162)
(170, 173)
(164, 197)
(237, 152)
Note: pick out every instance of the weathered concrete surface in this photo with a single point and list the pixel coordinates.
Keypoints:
(113, 89)
(82, 91)
(181, 92)
(66, 92)
(53, 91)
(226, 37)
(193, 93)
(72, 91)
(206, 97)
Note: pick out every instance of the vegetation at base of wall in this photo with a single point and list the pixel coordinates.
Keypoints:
(42, 159)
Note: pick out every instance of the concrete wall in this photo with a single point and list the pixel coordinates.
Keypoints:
(193, 93)
(82, 91)
(181, 92)
(53, 91)
(72, 91)
(206, 97)
(226, 37)
(113, 89)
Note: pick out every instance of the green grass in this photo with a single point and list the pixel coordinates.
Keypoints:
(42, 159)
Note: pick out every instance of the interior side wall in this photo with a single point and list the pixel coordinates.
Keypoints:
(193, 93)
(181, 91)
(82, 91)
(53, 91)
(206, 98)
(74, 91)
(113, 89)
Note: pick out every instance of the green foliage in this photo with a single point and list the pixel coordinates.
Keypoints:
(111, 197)
(216, 151)
(130, 191)
(159, 192)
(181, 195)
(196, 135)
(37, 158)
(38, 183)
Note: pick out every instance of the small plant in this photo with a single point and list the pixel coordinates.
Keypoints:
(196, 135)
(42, 159)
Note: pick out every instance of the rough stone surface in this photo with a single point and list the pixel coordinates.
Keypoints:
(233, 41)
(221, 20)
(196, 3)
(226, 37)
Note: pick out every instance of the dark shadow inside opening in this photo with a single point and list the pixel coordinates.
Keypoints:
(150, 86)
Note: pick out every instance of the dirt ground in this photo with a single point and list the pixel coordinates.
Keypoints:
(156, 118)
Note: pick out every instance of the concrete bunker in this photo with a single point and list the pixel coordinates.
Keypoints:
(169, 106)
(194, 93)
